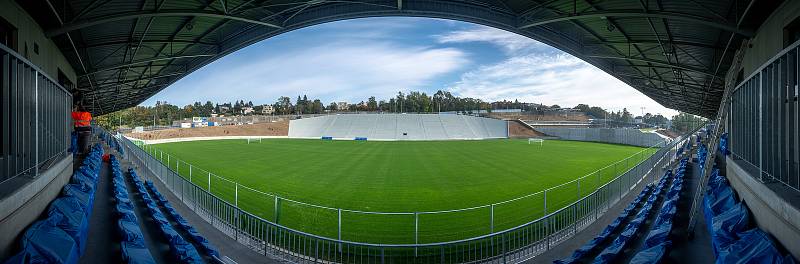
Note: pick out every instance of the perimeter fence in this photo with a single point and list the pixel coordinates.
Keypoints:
(304, 232)
(398, 227)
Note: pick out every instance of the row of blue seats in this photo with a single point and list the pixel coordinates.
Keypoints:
(702, 153)
(182, 223)
(657, 243)
(181, 250)
(592, 245)
(610, 253)
(686, 147)
(727, 219)
(133, 247)
(723, 144)
(61, 237)
(111, 141)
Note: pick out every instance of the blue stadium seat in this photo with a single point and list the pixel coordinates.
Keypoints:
(755, 246)
(73, 219)
(606, 233)
(652, 255)
(182, 223)
(727, 225)
(45, 241)
(133, 247)
(134, 254)
(61, 237)
(81, 192)
(610, 253)
(181, 250)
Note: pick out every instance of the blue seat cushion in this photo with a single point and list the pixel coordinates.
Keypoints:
(73, 219)
(130, 232)
(651, 255)
(754, 246)
(52, 243)
(135, 254)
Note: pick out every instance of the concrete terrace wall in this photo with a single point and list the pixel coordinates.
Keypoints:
(623, 136)
(399, 127)
(27, 203)
(771, 211)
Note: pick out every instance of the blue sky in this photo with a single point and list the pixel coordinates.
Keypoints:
(354, 59)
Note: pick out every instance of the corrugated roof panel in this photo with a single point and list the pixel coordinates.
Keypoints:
(674, 60)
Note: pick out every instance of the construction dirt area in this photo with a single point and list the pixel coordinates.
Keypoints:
(518, 130)
(280, 128)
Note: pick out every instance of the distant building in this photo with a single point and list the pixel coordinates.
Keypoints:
(342, 106)
(268, 109)
(247, 110)
(224, 109)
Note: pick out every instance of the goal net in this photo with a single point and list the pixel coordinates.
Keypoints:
(253, 140)
(536, 140)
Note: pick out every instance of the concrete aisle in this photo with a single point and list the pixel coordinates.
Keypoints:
(102, 246)
(697, 250)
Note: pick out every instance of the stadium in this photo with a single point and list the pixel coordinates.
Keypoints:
(535, 185)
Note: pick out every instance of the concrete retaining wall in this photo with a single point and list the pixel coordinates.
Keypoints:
(623, 136)
(771, 211)
(28, 202)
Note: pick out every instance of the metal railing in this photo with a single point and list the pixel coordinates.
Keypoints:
(515, 244)
(397, 227)
(763, 123)
(34, 118)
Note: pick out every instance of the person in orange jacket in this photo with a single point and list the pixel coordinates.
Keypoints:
(82, 122)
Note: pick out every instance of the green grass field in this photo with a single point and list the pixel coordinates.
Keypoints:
(400, 177)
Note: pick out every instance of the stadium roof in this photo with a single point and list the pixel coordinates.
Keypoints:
(674, 51)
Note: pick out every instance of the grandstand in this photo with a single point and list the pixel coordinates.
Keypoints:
(729, 197)
(399, 127)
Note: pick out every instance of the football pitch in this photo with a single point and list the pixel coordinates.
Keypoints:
(409, 179)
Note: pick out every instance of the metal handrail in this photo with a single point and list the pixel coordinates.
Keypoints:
(40, 90)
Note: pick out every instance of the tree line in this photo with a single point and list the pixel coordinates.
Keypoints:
(163, 113)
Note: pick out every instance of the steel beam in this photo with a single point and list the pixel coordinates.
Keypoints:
(141, 14)
(641, 14)
(145, 78)
(685, 68)
(117, 66)
(148, 41)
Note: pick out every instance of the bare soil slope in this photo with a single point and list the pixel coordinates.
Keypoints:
(669, 133)
(518, 130)
(280, 128)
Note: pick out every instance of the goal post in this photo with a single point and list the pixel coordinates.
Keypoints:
(253, 140)
(536, 140)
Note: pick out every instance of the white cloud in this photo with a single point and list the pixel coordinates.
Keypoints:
(332, 71)
(511, 43)
(538, 73)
